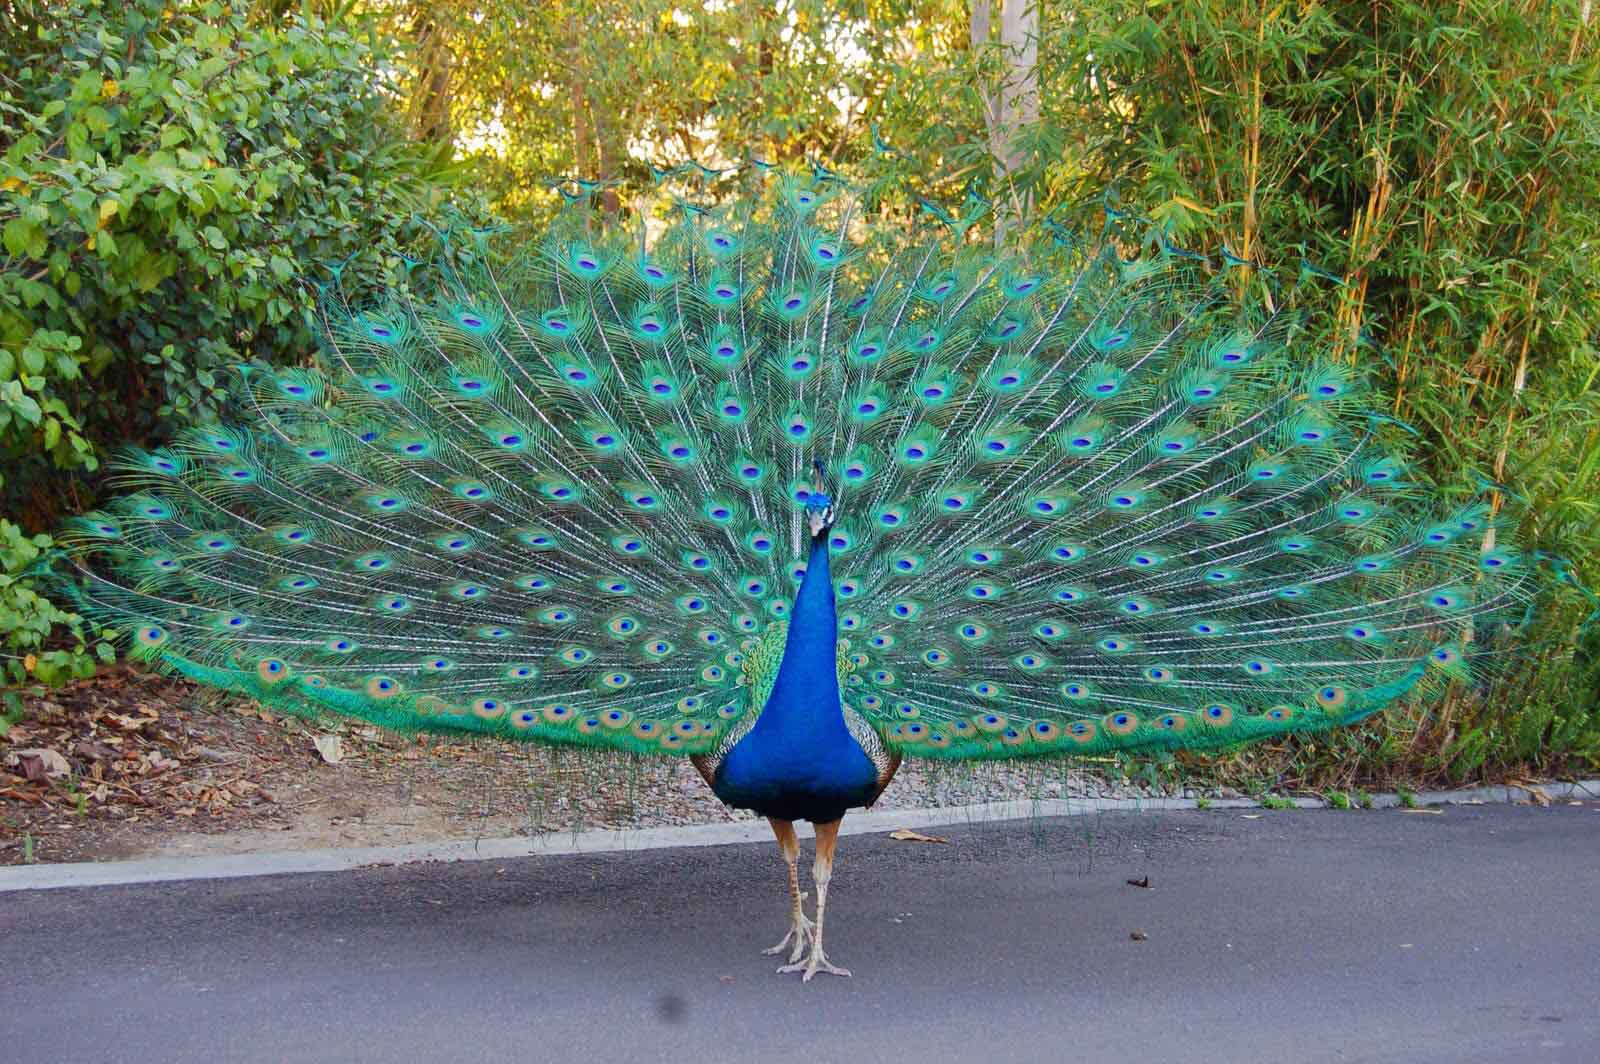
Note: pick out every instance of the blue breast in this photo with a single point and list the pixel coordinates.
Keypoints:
(790, 781)
(799, 761)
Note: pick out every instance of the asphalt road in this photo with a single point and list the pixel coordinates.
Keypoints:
(1297, 937)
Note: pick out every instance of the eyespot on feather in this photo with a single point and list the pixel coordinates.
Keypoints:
(1121, 723)
(272, 671)
(382, 687)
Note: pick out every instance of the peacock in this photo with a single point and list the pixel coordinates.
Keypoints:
(795, 492)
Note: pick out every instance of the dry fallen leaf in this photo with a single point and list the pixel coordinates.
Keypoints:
(40, 762)
(1535, 794)
(330, 747)
(907, 835)
(94, 751)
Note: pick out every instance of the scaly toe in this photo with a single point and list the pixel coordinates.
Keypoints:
(823, 966)
(800, 934)
(812, 966)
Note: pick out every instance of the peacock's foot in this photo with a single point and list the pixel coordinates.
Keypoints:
(801, 936)
(817, 962)
(800, 933)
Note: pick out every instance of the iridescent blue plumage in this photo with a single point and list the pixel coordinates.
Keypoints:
(799, 760)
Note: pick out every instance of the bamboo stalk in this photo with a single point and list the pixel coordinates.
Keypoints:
(1253, 151)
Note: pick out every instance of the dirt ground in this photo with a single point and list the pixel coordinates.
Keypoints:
(131, 765)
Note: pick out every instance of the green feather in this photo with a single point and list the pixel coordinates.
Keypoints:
(1085, 505)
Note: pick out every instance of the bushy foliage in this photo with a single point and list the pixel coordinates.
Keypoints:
(1443, 159)
(173, 176)
(28, 620)
(606, 88)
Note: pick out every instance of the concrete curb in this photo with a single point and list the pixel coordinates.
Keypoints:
(166, 869)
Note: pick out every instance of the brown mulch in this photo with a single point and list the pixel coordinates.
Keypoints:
(119, 749)
(129, 764)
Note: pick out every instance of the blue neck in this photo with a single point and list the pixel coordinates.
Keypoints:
(799, 761)
(805, 695)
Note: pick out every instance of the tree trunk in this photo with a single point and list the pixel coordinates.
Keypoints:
(1018, 109)
(978, 35)
(582, 139)
(765, 60)
(1019, 92)
(610, 163)
(430, 107)
(978, 41)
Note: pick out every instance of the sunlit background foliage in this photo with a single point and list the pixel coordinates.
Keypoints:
(177, 176)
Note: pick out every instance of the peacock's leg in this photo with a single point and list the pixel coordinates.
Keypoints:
(799, 926)
(822, 871)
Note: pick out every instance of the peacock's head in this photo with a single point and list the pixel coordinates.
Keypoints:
(819, 504)
(819, 513)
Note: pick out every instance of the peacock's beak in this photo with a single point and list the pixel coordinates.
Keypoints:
(820, 521)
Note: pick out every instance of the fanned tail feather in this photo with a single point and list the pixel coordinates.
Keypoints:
(1087, 504)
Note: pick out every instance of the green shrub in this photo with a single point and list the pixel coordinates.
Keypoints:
(173, 176)
(27, 620)
(1442, 158)
(174, 179)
